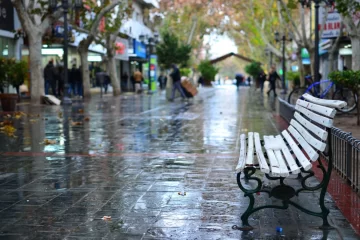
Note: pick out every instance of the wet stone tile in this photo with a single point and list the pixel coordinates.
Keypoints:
(131, 160)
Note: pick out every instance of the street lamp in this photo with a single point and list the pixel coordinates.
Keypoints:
(150, 43)
(283, 39)
(65, 5)
(307, 3)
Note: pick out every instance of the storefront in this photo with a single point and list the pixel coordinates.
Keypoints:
(137, 56)
(7, 41)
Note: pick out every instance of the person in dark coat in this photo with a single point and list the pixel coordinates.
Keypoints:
(79, 82)
(262, 79)
(239, 78)
(176, 77)
(72, 80)
(162, 79)
(50, 78)
(60, 80)
(273, 76)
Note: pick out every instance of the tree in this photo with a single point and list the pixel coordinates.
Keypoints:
(113, 24)
(349, 9)
(91, 27)
(170, 51)
(35, 18)
(253, 69)
(208, 71)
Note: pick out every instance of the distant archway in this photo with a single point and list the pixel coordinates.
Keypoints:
(222, 58)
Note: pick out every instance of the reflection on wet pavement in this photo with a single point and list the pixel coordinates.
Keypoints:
(128, 158)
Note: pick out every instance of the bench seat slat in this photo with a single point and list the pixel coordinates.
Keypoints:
(319, 145)
(298, 153)
(264, 167)
(242, 158)
(315, 117)
(313, 155)
(322, 134)
(276, 166)
(324, 102)
(250, 150)
(294, 168)
(326, 111)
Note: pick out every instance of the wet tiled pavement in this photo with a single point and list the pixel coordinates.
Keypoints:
(129, 158)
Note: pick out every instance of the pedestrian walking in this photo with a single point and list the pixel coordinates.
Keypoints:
(138, 78)
(239, 78)
(262, 79)
(200, 81)
(175, 75)
(124, 81)
(162, 79)
(50, 78)
(60, 80)
(273, 76)
(72, 80)
(249, 81)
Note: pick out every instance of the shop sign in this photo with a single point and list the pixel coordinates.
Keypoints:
(139, 49)
(122, 46)
(332, 26)
(6, 15)
(59, 31)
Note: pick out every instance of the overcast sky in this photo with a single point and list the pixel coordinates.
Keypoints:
(220, 45)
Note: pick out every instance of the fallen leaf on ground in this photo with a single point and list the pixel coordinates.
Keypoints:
(8, 130)
(18, 115)
(106, 218)
(76, 123)
(60, 114)
(49, 142)
(87, 119)
(81, 110)
(33, 120)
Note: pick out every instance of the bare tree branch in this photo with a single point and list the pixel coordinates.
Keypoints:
(49, 19)
(294, 25)
(23, 15)
(101, 14)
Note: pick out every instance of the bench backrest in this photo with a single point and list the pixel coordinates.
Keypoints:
(312, 119)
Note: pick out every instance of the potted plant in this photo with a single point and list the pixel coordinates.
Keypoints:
(18, 73)
(294, 79)
(8, 100)
(208, 72)
(254, 69)
(348, 79)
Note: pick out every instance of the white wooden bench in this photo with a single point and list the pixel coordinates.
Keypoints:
(293, 151)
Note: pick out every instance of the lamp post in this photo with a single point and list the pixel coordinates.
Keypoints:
(65, 6)
(283, 39)
(307, 3)
(150, 43)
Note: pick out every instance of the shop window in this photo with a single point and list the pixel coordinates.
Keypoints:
(7, 47)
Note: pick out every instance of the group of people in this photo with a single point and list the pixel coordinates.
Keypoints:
(54, 80)
(240, 79)
(271, 77)
(137, 79)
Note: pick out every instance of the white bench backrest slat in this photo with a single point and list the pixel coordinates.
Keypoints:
(294, 168)
(264, 167)
(315, 117)
(324, 102)
(274, 163)
(250, 150)
(321, 133)
(298, 153)
(319, 145)
(311, 152)
(325, 111)
(242, 157)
